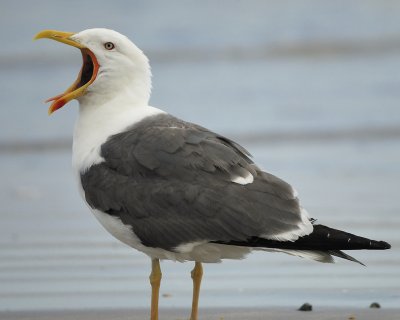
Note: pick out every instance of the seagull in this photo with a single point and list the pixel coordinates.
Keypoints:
(172, 189)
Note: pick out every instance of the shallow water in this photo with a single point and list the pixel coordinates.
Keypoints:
(326, 121)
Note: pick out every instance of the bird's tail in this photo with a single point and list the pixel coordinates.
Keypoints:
(323, 240)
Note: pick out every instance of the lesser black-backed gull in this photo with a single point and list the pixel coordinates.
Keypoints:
(173, 189)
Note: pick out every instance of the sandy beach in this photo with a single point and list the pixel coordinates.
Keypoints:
(211, 314)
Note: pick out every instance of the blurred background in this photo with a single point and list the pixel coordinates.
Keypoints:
(311, 88)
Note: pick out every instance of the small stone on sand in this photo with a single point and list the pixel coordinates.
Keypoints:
(375, 305)
(305, 307)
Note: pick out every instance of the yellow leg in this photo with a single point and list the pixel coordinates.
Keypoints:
(197, 274)
(155, 280)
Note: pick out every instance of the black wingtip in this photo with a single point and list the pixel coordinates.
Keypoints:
(383, 245)
(378, 245)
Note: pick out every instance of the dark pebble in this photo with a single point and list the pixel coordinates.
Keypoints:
(375, 305)
(306, 307)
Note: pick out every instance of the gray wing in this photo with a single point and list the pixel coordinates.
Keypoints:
(171, 181)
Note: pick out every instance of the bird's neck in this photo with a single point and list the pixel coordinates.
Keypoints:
(136, 94)
(96, 124)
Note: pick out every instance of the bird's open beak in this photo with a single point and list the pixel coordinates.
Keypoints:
(86, 76)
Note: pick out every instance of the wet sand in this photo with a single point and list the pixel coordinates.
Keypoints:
(211, 314)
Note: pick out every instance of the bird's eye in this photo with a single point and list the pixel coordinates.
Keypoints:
(109, 45)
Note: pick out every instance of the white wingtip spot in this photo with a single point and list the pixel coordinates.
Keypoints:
(249, 178)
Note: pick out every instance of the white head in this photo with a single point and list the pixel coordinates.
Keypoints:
(113, 67)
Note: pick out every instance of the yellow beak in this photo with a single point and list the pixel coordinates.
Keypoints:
(59, 36)
(86, 76)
